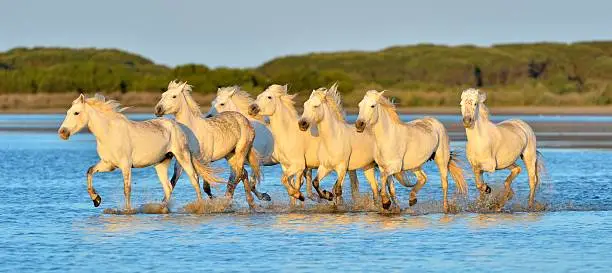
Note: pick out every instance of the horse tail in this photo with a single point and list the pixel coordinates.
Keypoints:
(254, 162)
(205, 170)
(457, 173)
(178, 171)
(539, 167)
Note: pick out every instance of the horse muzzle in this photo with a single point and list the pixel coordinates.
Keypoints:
(303, 124)
(254, 109)
(360, 125)
(468, 122)
(159, 110)
(63, 133)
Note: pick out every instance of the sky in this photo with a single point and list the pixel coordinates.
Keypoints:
(247, 33)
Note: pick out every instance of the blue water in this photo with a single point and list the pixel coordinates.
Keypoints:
(48, 222)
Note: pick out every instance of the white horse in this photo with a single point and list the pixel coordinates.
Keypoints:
(295, 150)
(407, 146)
(342, 149)
(492, 147)
(234, 99)
(228, 135)
(126, 144)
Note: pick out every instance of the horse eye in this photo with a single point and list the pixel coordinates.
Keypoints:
(222, 104)
(76, 113)
(174, 97)
(373, 106)
(269, 97)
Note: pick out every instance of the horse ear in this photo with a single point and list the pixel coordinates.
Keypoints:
(381, 93)
(80, 99)
(231, 93)
(482, 96)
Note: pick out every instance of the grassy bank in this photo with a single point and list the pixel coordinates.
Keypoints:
(143, 102)
(543, 74)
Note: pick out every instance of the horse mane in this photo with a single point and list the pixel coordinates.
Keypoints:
(389, 108)
(186, 89)
(483, 111)
(332, 99)
(473, 93)
(104, 106)
(241, 98)
(286, 99)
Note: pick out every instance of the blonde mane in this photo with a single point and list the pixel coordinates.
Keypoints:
(193, 106)
(389, 108)
(241, 98)
(332, 99)
(106, 107)
(286, 99)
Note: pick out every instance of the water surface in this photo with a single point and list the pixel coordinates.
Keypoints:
(49, 223)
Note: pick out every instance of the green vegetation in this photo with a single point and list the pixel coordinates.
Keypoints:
(420, 75)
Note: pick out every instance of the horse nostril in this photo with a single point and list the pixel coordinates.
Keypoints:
(253, 109)
(303, 124)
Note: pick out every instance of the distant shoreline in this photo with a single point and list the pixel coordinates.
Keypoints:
(444, 110)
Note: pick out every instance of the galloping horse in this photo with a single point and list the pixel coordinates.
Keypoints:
(228, 135)
(407, 146)
(126, 144)
(234, 99)
(342, 149)
(492, 147)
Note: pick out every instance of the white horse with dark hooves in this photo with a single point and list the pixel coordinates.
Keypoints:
(407, 146)
(342, 148)
(126, 144)
(228, 135)
(492, 147)
(234, 99)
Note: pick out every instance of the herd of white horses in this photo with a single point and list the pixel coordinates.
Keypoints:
(268, 130)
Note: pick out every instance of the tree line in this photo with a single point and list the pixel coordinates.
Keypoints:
(514, 74)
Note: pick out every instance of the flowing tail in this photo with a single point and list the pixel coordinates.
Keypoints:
(178, 171)
(204, 170)
(255, 161)
(539, 167)
(457, 173)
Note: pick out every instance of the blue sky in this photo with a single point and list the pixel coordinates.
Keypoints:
(247, 33)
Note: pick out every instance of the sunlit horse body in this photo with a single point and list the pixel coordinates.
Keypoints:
(492, 147)
(342, 149)
(234, 99)
(228, 135)
(295, 150)
(407, 146)
(126, 144)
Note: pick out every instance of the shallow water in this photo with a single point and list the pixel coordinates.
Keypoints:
(49, 223)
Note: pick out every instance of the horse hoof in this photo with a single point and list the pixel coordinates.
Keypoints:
(97, 201)
(412, 202)
(301, 198)
(488, 189)
(386, 205)
(266, 197)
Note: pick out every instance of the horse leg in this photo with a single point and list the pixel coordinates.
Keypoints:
(384, 196)
(322, 172)
(298, 177)
(248, 189)
(443, 167)
(286, 180)
(308, 175)
(480, 184)
(354, 185)
(391, 186)
(531, 163)
(508, 193)
(338, 185)
(184, 159)
(99, 167)
(260, 195)
(370, 175)
(162, 174)
(127, 188)
(421, 180)
(401, 179)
